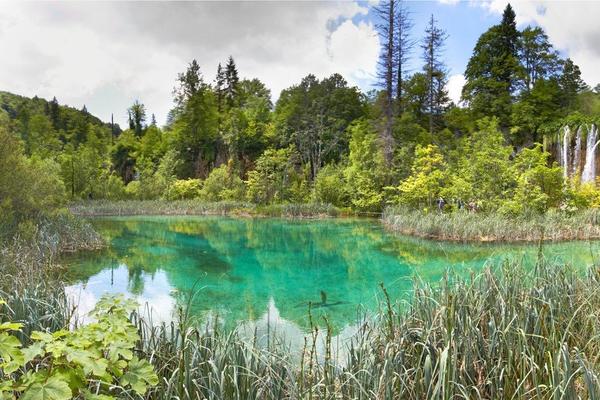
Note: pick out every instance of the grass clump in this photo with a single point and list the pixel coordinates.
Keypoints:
(466, 226)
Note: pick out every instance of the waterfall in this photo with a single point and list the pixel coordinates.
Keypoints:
(564, 150)
(577, 153)
(589, 169)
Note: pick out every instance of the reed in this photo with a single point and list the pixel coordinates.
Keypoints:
(502, 334)
(198, 207)
(464, 226)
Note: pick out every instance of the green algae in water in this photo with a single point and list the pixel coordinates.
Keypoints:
(248, 269)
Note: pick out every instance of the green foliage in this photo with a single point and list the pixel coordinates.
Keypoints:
(195, 128)
(365, 173)
(184, 189)
(427, 179)
(153, 183)
(223, 184)
(29, 188)
(269, 182)
(485, 164)
(96, 358)
(493, 70)
(331, 187)
(314, 115)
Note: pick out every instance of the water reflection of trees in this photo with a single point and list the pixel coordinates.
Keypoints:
(234, 266)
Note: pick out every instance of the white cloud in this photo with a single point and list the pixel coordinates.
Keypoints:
(105, 55)
(454, 86)
(571, 25)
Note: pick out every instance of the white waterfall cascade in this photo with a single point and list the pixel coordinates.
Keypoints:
(564, 151)
(589, 169)
(577, 152)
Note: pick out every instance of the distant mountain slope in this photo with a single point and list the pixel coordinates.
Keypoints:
(21, 108)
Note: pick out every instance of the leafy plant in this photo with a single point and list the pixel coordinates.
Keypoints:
(94, 360)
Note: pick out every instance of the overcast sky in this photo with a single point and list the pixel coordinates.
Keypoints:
(106, 55)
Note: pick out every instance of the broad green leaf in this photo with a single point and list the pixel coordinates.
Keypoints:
(52, 389)
(139, 375)
(57, 348)
(88, 360)
(10, 326)
(31, 352)
(120, 348)
(10, 353)
(41, 336)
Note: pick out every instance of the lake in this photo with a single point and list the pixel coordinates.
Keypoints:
(238, 271)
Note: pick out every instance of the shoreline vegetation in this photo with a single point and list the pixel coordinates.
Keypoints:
(493, 227)
(97, 208)
(504, 333)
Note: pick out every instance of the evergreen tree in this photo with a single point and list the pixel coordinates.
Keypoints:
(493, 70)
(194, 124)
(231, 83)
(189, 83)
(53, 113)
(136, 115)
(571, 83)
(220, 87)
(435, 71)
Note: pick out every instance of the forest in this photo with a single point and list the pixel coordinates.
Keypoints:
(324, 141)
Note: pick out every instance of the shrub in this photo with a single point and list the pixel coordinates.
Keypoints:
(184, 189)
(427, 179)
(223, 184)
(28, 187)
(269, 182)
(366, 171)
(330, 186)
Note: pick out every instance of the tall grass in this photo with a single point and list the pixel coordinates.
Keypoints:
(197, 207)
(506, 334)
(486, 227)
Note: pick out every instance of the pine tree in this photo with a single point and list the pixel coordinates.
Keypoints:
(220, 87)
(136, 117)
(493, 71)
(571, 83)
(232, 82)
(189, 83)
(53, 112)
(435, 70)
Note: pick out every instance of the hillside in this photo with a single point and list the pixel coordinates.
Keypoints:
(16, 109)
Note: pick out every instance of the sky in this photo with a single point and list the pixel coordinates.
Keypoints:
(106, 55)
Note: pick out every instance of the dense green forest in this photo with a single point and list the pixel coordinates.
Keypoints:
(323, 141)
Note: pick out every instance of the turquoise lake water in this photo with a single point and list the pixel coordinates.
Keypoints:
(237, 271)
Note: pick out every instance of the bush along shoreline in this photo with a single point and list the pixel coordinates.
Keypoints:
(464, 226)
(511, 332)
